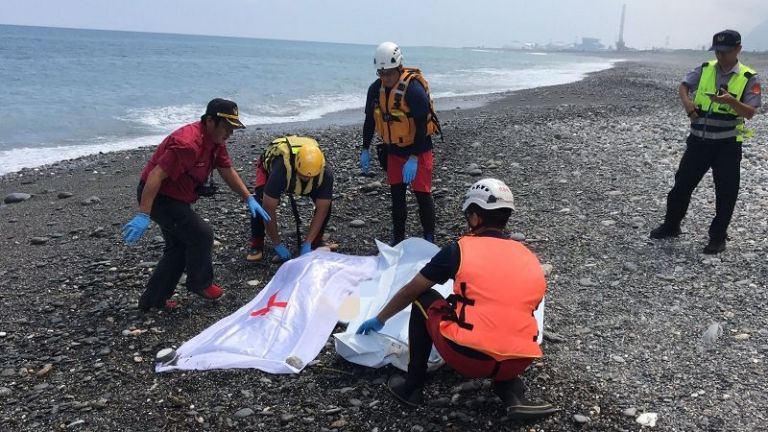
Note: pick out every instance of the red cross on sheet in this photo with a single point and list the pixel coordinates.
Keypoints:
(271, 302)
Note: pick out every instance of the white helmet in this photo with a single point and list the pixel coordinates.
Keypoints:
(388, 56)
(489, 194)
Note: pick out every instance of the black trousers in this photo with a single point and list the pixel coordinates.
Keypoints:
(257, 223)
(400, 212)
(188, 247)
(724, 157)
(420, 342)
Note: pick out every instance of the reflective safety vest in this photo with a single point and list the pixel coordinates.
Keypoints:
(394, 121)
(720, 121)
(287, 147)
(497, 287)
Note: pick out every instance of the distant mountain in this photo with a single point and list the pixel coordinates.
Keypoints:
(757, 39)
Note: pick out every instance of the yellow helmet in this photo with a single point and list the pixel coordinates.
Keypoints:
(310, 161)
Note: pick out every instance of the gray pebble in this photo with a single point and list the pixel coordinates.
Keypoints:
(39, 240)
(357, 223)
(5, 392)
(63, 195)
(90, 201)
(518, 236)
(581, 419)
(630, 266)
(371, 186)
(16, 197)
(630, 412)
(243, 413)
(553, 337)
(75, 424)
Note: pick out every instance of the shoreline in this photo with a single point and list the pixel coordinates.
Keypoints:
(589, 163)
(345, 117)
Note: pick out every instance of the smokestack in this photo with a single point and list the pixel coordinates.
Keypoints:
(620, 46)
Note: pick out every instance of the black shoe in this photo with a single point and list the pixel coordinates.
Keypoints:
(151, 299)
(518, 407)
(412, 396)
(714, 247)
(665, 231)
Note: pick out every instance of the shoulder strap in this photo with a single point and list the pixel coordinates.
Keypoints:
(402, 86)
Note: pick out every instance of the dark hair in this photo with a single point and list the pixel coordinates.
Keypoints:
(496, 218)
(216, 119)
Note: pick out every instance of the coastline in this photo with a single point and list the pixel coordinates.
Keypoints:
(43, 156)
(590, 164)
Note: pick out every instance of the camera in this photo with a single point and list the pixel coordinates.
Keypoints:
(207, 190)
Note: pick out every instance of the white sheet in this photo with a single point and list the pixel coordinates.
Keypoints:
(288, 323)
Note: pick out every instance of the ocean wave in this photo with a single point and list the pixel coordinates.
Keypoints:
(163, 119)
(18, 158)
(483, 81)
(169, 118)
(297, 110)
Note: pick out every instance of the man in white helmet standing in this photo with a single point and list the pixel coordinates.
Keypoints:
(399, 109)
(486, 328)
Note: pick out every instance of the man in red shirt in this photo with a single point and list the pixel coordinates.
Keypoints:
(173, 179)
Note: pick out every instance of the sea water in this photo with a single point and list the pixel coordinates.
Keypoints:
(65, 93)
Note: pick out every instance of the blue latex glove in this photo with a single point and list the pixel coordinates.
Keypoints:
(371, 324)
(282, 252)
(255, 209)
(365, 160)
(306, 248)
(133, 230)
(409, 170)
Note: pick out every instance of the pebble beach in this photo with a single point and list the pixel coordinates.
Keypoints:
(634, 326)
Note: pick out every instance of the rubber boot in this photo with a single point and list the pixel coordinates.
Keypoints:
(512, 393)
(407, 394)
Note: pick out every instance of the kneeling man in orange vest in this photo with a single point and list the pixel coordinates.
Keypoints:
(486, 328)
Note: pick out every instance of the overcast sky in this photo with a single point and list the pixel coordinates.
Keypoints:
(649, 23)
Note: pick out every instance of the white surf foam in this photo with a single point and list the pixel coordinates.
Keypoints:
(482, 81)
(16, 159)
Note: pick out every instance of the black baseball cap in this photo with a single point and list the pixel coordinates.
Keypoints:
(225, 109)
(725, 40)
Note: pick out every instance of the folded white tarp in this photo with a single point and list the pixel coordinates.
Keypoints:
(398, 265)
(390, 346)
(288, 323)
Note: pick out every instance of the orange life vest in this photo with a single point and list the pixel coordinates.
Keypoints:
(394, 121)
(497, 287)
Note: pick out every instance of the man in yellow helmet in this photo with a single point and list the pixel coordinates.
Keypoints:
(294, 165)
(726, 93)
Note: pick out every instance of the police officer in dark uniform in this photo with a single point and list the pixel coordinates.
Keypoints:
(726, 93)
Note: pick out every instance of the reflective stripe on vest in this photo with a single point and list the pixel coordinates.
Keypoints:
(392, 115)
(286, 148)
(497, 287)
(719, 121)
